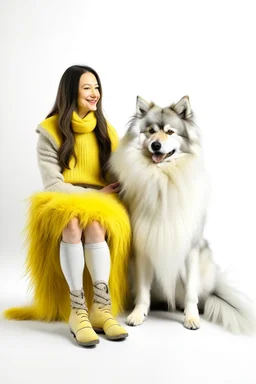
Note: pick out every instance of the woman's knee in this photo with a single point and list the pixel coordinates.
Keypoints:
(94, 232)
(72, 233)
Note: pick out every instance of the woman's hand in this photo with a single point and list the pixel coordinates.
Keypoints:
(111, 188)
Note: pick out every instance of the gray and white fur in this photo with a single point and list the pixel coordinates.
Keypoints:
(160, 166)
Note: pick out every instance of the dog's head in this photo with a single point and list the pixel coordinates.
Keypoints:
(164, 133)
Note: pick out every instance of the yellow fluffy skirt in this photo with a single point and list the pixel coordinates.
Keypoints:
(49, 213)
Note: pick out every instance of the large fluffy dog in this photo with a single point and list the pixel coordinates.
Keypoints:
(160, 165)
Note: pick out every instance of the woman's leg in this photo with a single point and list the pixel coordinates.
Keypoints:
(97, 258)
(71, 255)
(72, 265)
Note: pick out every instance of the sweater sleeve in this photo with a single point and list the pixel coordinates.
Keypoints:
(48, 162)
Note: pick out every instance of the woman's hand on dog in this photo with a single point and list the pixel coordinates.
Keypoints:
(111, 188)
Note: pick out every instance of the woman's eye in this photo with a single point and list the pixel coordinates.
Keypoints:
(169, 132)
(151, 130)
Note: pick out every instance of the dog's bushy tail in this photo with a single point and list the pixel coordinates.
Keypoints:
(230, 308)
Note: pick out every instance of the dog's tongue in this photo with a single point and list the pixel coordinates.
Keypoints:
(157, 157)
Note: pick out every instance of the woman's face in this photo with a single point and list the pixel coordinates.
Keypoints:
(88, 94)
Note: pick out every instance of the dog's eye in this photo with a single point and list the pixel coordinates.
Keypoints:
(169, 132)
(151, 130)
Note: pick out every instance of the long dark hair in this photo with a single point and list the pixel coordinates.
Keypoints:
(65, 104)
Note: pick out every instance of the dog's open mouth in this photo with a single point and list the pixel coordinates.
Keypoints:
(157, 157)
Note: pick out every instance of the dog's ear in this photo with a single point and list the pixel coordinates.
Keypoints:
(183, 108)
(142, 106)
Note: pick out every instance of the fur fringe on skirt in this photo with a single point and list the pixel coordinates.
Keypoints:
(49, 213)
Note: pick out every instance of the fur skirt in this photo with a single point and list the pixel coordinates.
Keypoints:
(48, 214)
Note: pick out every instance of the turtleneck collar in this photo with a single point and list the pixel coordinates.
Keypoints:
(85, 125)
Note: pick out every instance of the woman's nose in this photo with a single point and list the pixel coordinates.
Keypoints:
(93, 92)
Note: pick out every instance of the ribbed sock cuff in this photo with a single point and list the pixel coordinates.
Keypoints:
(100, 245)
(70, 245)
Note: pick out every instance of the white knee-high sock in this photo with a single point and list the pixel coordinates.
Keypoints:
(72, 264)
(97, 259)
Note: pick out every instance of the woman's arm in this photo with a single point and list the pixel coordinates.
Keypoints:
(48, 162)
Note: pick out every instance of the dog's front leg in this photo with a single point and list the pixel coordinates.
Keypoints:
(191, 312)
(144, 276)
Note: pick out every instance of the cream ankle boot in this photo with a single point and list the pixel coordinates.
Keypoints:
(79, 323)
(100, 315)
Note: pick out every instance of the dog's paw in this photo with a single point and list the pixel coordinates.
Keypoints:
(192, 322)
(137, 317)
(192, 319)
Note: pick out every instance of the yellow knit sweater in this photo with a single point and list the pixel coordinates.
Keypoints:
(87, 170)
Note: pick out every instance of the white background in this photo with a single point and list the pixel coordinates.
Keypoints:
(161, 51)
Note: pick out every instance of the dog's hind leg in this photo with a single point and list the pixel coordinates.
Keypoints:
(144, 276)
(192, 287)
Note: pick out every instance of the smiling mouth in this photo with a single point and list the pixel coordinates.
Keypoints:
(91, 101)
(158, 157)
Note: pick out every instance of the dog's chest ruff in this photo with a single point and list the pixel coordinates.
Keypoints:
(167, 204)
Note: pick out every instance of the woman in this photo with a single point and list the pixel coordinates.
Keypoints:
(70, 221)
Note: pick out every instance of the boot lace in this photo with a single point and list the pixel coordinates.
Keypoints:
(78, 300)
(101, 296)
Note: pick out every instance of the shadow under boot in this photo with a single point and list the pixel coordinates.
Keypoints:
(100, 315)
(79, 323)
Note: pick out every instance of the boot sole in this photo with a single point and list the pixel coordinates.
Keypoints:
(117, 337)
(87, 344)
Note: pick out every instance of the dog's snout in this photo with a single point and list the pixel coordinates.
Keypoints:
(156, 146)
